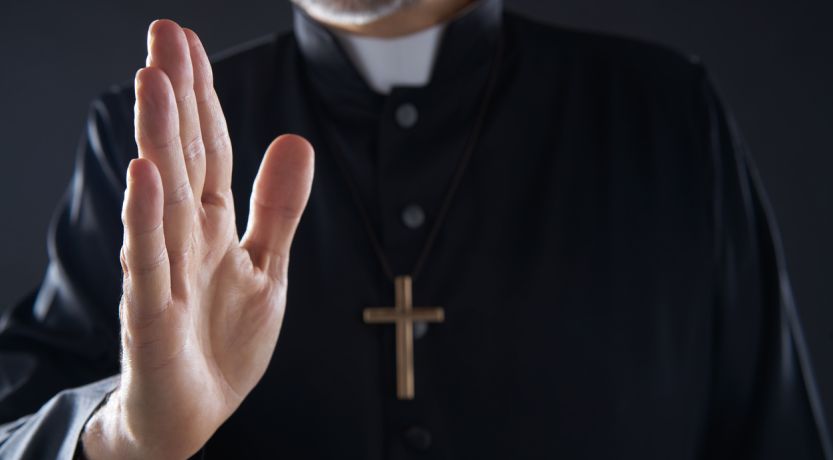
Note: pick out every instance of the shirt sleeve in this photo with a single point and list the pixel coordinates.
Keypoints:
(764, 400)
(54, 430)
(66, 334)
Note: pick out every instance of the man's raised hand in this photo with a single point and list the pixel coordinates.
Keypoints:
(202, 308)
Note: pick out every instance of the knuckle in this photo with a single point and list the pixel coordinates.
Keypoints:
(145, 318)
(204, 87)
(149, 139)
(146, 267)
(178, 256)
(194, 149)
(184, 94)
(286, 211)
(219, 142)
(122, 303)
(178, 195)
(123, 261)
(136, 234)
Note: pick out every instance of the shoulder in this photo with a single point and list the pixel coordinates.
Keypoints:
(254, 61)
(601, 57)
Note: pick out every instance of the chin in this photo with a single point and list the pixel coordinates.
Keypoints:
(352, 12)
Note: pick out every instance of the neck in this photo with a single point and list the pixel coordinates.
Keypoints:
(411, 19)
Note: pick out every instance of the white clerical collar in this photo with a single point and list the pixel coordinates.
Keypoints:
(387, 62)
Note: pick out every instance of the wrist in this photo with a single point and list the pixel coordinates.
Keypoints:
(104, 436)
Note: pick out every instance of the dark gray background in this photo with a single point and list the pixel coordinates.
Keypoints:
(771, 59)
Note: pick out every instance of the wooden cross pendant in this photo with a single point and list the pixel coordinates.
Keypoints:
(404, 314)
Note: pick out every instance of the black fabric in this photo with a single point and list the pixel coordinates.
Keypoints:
(609, 269)
(53, 431)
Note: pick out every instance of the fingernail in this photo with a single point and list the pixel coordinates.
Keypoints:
(137, 83)
(130, 171)
(150, 35)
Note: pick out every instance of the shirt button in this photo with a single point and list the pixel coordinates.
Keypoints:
(420, 329)
(417, 438)
(413, 216)
(406, 115)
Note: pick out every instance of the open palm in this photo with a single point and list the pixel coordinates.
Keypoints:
(202, 308)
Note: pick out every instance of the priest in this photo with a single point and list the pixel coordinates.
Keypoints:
(522, 241)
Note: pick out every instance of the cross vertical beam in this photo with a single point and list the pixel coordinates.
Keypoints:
(403, 315)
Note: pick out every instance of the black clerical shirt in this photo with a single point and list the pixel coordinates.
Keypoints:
(609, 269)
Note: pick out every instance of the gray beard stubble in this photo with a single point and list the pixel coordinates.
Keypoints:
(351, 11)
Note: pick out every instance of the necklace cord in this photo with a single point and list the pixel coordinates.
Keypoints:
(468, 150)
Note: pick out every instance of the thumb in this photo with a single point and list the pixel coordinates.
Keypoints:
(279, 196)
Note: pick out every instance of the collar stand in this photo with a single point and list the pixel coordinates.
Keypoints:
(462, 44)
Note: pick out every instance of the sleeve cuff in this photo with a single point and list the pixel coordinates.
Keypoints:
(54, 431)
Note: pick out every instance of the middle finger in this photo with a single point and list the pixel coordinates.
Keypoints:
(168, 50)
